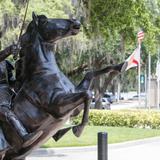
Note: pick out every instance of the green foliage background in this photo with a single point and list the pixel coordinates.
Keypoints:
(108, 34)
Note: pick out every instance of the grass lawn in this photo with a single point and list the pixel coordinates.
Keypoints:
(115, 135)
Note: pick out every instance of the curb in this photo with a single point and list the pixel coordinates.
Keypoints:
(42, 152)
(134, 143)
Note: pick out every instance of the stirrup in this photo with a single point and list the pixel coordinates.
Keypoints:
(31, 138)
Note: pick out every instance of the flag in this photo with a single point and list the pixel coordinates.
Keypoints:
(140, 36)
(134, 59)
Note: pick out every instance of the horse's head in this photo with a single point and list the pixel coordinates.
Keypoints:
(51, 30)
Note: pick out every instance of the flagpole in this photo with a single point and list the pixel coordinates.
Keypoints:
(140, 37)
(158, 78)
(146, 87)
(158, 88)
(139, 80)
(149, 80)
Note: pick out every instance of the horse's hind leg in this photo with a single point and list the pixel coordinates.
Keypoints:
(86, 83)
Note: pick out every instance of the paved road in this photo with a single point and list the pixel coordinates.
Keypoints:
(136, 150)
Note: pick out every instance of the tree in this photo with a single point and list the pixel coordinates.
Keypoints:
(120, 20)
(12, 13)
(107, 36)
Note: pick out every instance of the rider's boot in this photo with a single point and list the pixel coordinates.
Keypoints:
(28, 138)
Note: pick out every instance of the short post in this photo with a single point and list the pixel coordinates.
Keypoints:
(102, 146)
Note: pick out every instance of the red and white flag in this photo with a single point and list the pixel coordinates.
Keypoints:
(134, 59)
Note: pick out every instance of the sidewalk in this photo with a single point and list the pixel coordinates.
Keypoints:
(147, 149)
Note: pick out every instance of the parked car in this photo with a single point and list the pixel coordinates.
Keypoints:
(105, 104)
(112, 98)
(136, 97)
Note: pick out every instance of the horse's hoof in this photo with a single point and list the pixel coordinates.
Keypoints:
(60, 133)
(77, 130)
(31, 138)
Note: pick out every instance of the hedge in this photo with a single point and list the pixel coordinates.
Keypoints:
(123, 118)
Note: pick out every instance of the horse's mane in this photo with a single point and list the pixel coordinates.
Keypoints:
(32, 25)
(31, 42)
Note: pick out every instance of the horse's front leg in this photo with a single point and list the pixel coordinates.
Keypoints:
(86, 83)
(77, 130)
(66, 103)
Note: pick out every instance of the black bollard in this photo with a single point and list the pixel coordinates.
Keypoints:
(102, 146)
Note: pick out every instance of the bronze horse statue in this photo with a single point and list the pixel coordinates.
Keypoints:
(47, 98)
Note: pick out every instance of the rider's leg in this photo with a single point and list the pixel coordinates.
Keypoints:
(28, 138)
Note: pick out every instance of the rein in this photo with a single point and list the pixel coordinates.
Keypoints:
(22, 27)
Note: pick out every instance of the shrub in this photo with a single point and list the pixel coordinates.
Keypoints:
(123, 118)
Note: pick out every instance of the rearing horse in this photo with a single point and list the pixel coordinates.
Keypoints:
(47, 98)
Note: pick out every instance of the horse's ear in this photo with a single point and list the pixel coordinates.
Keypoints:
(35, 18)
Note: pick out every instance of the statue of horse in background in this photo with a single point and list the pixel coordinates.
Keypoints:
(47, 98)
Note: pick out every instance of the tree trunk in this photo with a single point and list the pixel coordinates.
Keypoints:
(98, 94)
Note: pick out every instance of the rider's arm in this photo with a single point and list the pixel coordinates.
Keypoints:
(7, 51)
(10, 77)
